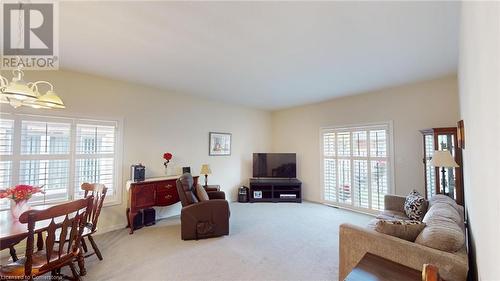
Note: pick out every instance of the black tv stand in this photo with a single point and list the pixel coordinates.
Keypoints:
(275, 190)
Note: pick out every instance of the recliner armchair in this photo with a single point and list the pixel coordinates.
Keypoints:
(201, 219)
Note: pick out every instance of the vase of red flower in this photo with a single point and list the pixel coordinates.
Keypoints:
(20, 194)
(167, 156)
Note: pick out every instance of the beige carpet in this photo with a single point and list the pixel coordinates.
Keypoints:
(267, 241)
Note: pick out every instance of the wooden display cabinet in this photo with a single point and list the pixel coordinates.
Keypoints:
(152, 192)
(442, 139)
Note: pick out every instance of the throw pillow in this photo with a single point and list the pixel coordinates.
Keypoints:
(201, 193)
(404, 229)
(415, 206)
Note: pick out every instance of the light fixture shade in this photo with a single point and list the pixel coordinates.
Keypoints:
(19, 90)
(205, 169)
(50, 100)
(443, 158)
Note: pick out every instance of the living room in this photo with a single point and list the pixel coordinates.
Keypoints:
(135, 94)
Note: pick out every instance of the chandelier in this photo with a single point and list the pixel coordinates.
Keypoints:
(18, 92)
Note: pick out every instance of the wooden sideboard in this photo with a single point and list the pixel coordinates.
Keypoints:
(149, 193)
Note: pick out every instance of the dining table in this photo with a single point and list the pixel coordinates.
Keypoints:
(13, 232)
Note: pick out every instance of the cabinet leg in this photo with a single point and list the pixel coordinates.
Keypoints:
(131, 216)
(126, 215)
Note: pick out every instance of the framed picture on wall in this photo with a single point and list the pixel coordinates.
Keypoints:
(219, 144)
(461, 134)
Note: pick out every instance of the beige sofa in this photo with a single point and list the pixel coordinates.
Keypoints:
(444, 219)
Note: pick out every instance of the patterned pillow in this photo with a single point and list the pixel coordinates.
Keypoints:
(404, 229)
(415, 206)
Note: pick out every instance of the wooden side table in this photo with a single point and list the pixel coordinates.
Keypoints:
(212, 187)
(375, 268)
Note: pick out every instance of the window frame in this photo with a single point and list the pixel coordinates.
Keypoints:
(16, 157)
(390, 160)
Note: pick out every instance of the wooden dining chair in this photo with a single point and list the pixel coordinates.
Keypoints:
(98, 191)
(430, 273)
(68, 220)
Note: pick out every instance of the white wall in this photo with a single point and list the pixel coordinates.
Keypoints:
(411, 108)
(156, 121)
(479, 80)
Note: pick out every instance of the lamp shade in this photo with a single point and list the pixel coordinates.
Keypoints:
(50, 100)
(443, 158)
(19, 90)
(205, 169)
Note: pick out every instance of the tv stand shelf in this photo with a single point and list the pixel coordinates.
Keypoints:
(275, 190)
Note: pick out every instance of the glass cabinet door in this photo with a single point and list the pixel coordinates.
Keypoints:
(446, 142)
(442, 139)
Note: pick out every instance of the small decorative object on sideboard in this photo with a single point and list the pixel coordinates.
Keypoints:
(167, 156)
(205, 170)
(20, 194)
(137, 172)
(186, 170)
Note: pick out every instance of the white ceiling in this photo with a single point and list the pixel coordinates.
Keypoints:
(267, 55)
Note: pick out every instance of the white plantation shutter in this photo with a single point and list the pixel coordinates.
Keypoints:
(59, 153)
(45, 138)
(430, 170)
(356, 165)
(360, 184)
(330, 168)
(6, 136)
(95, 154)
(45, 158)
(6, 150)
(53, 174)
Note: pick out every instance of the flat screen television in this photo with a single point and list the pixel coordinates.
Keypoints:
(274, 165)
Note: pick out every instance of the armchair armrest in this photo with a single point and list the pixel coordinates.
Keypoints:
(394, 203)
(355, 241)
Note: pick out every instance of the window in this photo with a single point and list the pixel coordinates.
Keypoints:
(6, 134)
(59, 153)
(356, 165)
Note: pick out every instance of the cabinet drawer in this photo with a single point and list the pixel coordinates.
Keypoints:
(143, 195)
(163, 186)
(166, 197)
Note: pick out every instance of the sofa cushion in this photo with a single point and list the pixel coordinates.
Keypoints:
(440, 198)
(444, 230)
(404, 229)
(444, 235)
(415, 206)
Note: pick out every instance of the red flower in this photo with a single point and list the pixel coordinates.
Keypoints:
(167, 156)
(20, 192)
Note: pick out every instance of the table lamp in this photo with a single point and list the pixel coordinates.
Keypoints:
(205, 170)
(443, 159)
